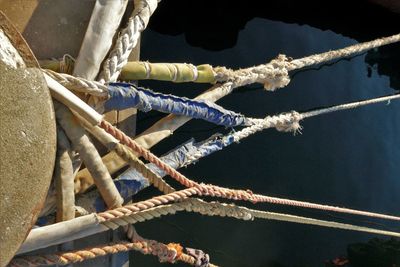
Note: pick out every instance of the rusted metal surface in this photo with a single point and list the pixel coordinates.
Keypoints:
(28, 145)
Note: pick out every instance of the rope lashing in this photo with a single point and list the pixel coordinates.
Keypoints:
(275, 74)
(124, 96)
(127, 40)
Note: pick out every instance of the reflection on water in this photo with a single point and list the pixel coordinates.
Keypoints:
(345, 159)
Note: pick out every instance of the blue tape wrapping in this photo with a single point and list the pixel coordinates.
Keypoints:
(125, 95)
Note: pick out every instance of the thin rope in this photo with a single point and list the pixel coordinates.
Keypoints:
(127, 40)
(352, 105)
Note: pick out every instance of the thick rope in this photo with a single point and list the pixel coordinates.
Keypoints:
(274, 75)
(89, 155)
(127, 40)
(79, 85)
(64, 179)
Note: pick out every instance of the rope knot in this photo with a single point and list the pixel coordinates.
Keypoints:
(289, 122)
(276, 74)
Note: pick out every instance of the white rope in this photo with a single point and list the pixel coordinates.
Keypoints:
(274, 75)
(127, 40)
(289, 122)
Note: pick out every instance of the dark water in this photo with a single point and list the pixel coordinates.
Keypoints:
(350, 158)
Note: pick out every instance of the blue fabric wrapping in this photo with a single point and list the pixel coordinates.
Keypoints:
(125, 95)
(131, 181)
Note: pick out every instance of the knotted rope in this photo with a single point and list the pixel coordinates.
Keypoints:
(275, 74)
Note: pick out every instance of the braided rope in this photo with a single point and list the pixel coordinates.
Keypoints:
(79, 85)
(137, 164)
(212, 190)
(127, 40)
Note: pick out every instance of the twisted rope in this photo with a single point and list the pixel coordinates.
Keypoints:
(64, 258)
(127, 40)
(223, 192)
(241, 213)
(274, 75)
(79, 85)
(165, 253)
(121, 216)
(340, 53)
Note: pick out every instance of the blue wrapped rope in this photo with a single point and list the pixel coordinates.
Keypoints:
(125, 95)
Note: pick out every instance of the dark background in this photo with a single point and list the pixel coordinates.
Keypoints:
(350, 158)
